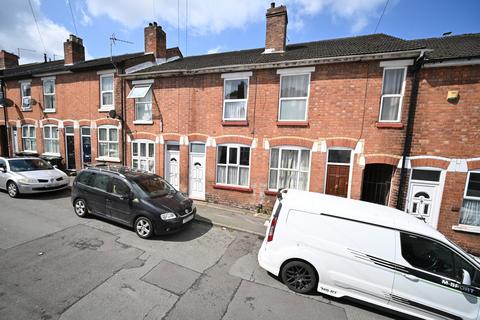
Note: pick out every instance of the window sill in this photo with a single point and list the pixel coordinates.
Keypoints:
(232, 188)
(389, 125)
(236, 123)
(49, 111)
(106, 109)
(466, 228)
(270, 193)
(26, 109)
(292, 123)
(107, 159)
(50, 154)
(142, 122)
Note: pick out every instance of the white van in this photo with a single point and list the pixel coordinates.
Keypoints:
(343, 247)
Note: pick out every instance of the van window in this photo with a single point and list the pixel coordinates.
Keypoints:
(428, 255)
(460, 265)
(83, 177)
(100, 181)
(119, 187)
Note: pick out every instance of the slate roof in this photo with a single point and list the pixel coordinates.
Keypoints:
(368, 44)
(27, 70)
(452, 47)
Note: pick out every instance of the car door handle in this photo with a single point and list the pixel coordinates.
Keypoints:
(410, 277)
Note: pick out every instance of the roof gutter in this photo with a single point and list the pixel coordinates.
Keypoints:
(280, 64)
(451, 63)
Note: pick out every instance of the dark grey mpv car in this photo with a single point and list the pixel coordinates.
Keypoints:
(137, 199)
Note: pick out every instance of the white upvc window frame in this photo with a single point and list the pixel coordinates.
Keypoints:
(145, 158)
(45, 95)
(400, 95)
(29, 138)
(307, 98)
(137, 103)
(235, 100)
(112, 91)
(298, 170)
(108, 142)
(237, 165)
(467, 227)
(22, 85)
(54, 140)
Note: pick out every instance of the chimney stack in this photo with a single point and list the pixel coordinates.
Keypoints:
(155, 41)
(8, 60)
(276, 36)
(73, 50)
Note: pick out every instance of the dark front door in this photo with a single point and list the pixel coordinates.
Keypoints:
(70, 144)
(376, 183)
(86, 146)
(3, 141)
(337, 180)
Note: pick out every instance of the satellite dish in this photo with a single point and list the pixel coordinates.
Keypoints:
(112, 114)
(6, 102)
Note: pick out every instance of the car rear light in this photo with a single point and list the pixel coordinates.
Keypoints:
(272, 229)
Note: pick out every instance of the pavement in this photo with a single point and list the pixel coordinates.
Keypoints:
(54, 265)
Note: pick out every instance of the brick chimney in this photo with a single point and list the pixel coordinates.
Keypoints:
(73, 50)
(277, 21)
(155, 41)
(8, 60)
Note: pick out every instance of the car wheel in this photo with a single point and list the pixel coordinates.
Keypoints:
(12, 189)
(80, 208)
(299, 276)
(143, 227)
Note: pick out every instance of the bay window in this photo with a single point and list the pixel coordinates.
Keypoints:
(235, 99)
(29, 139)
(108, 142)
(294, 90)
(50, 139)
(49, 95)
(289, 168)
(470, 211)
(392, 94)
(106, 92)
(233, 165)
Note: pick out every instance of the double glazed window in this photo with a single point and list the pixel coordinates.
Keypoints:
(392, 94)
(26, 91)
(49, 95)
(143, 155)
(235, 99)
(470, 212)
(142, 93)
(108, 142)
(29, 138)
(294, 97)
(289, 168)
(50, 139)
(233, 165)
(106, 91)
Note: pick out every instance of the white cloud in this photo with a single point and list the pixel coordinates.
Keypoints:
(215, 50)
(18, 30)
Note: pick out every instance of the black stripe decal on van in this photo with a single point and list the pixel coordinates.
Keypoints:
(411, 303)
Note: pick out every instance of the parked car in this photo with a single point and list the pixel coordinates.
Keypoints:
(30, 175)
(343, 247)
(134, 198)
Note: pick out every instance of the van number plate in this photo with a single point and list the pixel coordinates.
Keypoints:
(188, 218)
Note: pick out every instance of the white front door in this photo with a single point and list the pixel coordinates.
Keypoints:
(196, 172)
(172, 165)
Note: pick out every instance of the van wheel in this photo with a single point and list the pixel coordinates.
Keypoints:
(80, 207)
(299, 276)
(143, 227)
(12, 189)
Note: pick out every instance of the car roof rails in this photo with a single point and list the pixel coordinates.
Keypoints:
(117, 170)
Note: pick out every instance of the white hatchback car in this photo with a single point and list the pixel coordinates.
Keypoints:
(343, 247)
(30, 175)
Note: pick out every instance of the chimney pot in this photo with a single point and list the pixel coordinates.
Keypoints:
(155, 23)
(272, 5)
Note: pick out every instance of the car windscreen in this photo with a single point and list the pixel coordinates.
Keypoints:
(153, 186)
(19, 165)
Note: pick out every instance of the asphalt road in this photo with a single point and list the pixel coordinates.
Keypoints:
(54, 265)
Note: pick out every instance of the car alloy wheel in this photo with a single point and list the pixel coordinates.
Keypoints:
(12, 189)
(299, 276)
(143, 227)
(80, 208)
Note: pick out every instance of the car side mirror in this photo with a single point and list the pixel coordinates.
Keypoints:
(466, 278)
(55, 166)
(3, 169)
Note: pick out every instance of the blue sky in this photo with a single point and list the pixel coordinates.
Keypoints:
(216, 25)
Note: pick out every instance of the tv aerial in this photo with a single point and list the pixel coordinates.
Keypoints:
(113, 40)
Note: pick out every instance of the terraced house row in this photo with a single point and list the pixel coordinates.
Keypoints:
(372, 117)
